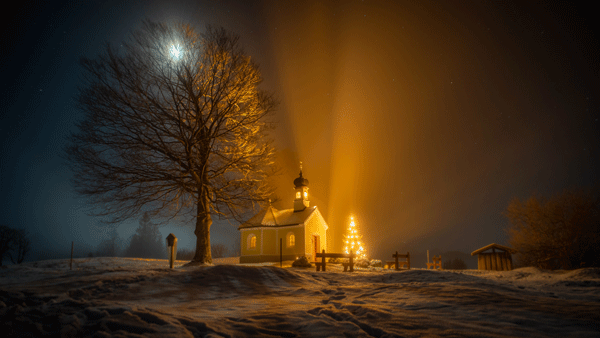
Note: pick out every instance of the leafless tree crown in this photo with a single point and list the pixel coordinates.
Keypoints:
(172, 118)
(559, 232)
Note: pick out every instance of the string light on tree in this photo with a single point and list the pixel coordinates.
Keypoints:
(352, 241)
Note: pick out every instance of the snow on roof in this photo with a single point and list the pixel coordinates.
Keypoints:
(271, 217)
(496, 246)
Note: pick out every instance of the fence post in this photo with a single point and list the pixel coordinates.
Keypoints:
(71, 263)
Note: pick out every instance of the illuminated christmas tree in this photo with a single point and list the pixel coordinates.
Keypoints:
(352, 241)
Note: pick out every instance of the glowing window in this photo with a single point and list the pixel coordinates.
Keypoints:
(291, 240)
(251, 242)
(298, 195)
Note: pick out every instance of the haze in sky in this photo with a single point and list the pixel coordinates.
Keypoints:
(420, 120)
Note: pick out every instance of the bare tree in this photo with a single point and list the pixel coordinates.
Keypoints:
(21, 246)
(7, 238)
(13, 243)
(560, 232)
(175, 123)
(185, 254)
(219, 250)
(237, 247)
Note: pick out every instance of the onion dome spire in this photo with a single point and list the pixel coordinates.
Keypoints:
(300, 181)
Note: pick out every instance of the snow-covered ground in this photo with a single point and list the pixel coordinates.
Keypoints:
(131, 297)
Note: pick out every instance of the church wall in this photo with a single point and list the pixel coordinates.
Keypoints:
(267, 244)
(269, 238)
(244, 242)
(315, 225)
(298, 248)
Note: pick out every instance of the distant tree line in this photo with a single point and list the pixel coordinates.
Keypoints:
(147, 242)
(454, 264)
(109, 247)
(562, 232)
(14, 244)
(218, 251)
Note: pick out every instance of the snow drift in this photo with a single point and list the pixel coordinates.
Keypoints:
(105, 297)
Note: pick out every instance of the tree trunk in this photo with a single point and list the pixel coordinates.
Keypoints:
(203, 223)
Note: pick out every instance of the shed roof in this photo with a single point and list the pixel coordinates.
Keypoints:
(496, 246)
(271, 217)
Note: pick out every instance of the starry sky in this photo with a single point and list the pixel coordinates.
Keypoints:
(421, 119)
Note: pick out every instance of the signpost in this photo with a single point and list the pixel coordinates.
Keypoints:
(172, 249)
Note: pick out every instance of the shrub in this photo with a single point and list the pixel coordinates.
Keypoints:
(362, 263)
(218, 251)
(185, 254)
(302, 262)
(376, 263)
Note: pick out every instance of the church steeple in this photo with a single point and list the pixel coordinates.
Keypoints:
(301, 187)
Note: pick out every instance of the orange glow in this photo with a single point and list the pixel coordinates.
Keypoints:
(402, 113)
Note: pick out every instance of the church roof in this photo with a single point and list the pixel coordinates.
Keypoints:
(271, 217)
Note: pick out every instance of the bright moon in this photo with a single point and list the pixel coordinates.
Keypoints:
(175, 52)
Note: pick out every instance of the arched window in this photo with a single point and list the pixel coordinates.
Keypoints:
(251, 242)
(291, 240)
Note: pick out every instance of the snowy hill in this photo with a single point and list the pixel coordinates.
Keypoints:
(126, 297)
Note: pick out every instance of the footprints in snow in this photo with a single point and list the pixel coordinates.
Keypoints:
(339, 295)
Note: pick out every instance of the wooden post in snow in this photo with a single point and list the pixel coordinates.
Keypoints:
(71, 263)
(172, 248)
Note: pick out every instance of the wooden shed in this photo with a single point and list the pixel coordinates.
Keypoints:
(500, 259)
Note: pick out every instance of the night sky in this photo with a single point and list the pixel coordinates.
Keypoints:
(421, 120)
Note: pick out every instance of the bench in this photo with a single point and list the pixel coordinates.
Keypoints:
(437, 263)
(323, 266)
(397, 264)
